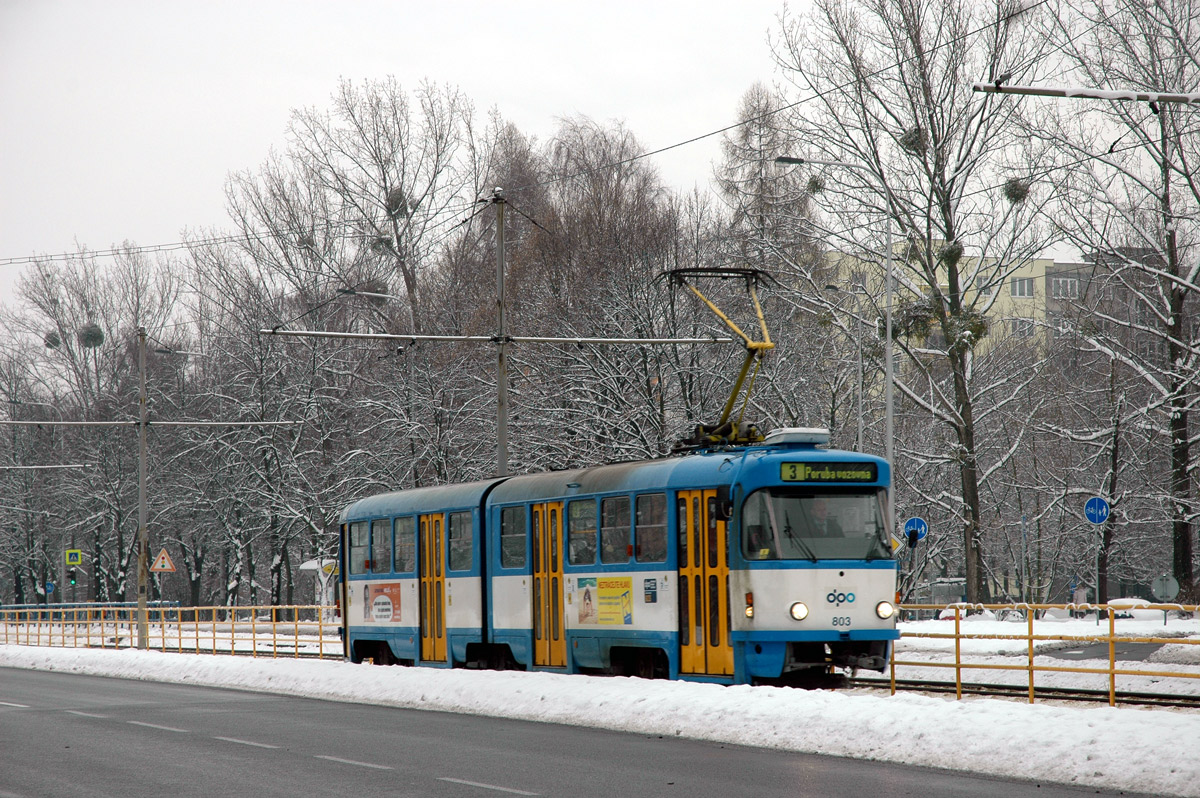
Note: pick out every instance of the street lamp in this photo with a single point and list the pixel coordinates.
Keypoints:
(889, 433)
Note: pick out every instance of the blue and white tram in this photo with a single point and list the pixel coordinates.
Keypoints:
(731, 565)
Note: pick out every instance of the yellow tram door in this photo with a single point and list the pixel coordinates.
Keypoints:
(703, 586)
(549, 639)
(433, 587)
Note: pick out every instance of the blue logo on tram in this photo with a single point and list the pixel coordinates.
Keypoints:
(838, 599)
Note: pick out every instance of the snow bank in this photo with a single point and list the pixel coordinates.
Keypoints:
(1124, 749)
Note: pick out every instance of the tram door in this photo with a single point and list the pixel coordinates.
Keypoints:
(549, 640)
(703, 586)
(433, 587)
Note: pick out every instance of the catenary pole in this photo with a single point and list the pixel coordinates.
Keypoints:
(501, 344)
(143, 622)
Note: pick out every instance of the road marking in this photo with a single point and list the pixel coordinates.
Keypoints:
(18, 706)
(352, 762)
(245, 742)
(487, 786)
(86, 714)
(156, 726)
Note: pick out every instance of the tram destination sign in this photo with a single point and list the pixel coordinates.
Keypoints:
(829, 472)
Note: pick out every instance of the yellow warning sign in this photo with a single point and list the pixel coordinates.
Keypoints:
(162, 563)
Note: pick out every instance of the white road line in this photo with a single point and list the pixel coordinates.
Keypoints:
(487, 786)
(245, 742)
(18, 706)
(352, 762)
(155, 726)
(86, 714)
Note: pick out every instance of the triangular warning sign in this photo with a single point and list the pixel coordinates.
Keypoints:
(163, 563)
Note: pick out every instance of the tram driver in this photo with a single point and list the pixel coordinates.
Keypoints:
(821, 525)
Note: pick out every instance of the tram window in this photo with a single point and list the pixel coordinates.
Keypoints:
(512, 537)
(614, 529)
(360, 551)
(406, 531)
(460, 541)
(381, 546)
(651, 529)
(681, 523)
(581, 532)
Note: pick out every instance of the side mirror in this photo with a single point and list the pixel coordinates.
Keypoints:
(724, 503)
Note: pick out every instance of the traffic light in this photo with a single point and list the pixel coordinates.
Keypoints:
(71, 576)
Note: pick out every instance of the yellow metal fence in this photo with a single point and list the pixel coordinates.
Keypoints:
(272, 631)
(312, 631)
(1104, 616)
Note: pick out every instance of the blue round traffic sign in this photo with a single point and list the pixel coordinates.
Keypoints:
(1096, 510)
(918, 525)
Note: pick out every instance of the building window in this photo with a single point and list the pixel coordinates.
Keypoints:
(1021, 328)
(1021, 287)
(1064, 287)
(983, 286)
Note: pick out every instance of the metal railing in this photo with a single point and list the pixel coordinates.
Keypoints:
(312, 631)
(298, 630)
(1105, 616)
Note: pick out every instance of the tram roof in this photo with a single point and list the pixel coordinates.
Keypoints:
(416, 500)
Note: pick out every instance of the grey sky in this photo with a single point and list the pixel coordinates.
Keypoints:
(122, 118)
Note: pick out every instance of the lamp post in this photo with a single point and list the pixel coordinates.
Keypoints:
(889, 433)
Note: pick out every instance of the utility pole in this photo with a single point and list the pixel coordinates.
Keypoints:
(501, 344)
(143, 514)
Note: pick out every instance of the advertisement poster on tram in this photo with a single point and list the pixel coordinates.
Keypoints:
(382, 602)
(606, 601)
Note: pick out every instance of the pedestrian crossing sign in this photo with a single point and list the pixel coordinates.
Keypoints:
(74, 557)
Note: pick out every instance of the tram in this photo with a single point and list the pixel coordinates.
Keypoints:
(755, 563)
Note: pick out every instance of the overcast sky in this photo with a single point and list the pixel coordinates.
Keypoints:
(122, 118)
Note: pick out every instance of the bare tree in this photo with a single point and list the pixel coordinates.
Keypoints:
(886, 86)
(1133, 206)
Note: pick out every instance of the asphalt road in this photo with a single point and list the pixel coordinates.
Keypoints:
(92, 737)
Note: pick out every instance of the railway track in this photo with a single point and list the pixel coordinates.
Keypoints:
(1123, 698)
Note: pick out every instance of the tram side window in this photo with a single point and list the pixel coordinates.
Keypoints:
(512, 537)
(460, 541)
(614, 529)
(406, 542)
(581, 532)
(381, 546)
(360, 547)
(651, 529)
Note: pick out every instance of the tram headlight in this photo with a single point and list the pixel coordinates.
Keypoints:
(799, 611)
(885, 609)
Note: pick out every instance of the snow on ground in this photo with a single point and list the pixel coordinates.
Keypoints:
(1137, 750)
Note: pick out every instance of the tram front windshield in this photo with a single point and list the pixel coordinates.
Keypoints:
(797, 524)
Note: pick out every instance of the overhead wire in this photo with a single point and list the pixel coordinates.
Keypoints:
(265, 235)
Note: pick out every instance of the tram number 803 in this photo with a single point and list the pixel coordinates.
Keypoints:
(841, 620)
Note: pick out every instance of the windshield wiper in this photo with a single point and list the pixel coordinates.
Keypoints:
(796, 541)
